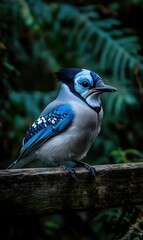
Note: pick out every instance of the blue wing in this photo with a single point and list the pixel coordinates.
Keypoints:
(46, 127)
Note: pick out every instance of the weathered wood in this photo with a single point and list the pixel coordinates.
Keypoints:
(48, 191)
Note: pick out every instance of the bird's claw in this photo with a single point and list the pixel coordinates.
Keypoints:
(71, 171)
(91, 169)
(87, 166)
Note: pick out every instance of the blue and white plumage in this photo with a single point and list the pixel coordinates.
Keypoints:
(67, 127)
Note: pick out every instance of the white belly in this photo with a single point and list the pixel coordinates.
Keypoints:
(75, 141)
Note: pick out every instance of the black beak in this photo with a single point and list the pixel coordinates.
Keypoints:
(101, 87)
(106, 88)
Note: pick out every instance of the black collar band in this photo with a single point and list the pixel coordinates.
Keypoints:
(96, 109)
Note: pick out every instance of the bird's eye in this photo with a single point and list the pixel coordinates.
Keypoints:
(85, 84)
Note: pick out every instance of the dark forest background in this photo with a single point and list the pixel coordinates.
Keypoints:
(36, 39)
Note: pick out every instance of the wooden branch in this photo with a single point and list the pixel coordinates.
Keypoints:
(48, 191)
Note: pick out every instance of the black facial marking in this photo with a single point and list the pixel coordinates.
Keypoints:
(67, 75)
(97, 109)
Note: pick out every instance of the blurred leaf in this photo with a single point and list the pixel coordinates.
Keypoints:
(126, 156)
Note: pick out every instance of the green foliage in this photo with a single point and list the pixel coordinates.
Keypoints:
(127, 155)
(36, 39)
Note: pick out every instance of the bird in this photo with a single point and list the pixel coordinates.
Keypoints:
(67, 127)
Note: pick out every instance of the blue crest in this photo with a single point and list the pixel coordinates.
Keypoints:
(67, 74)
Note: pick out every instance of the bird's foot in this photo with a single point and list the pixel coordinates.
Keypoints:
(87, 166)
(71, 171)
(90, 168)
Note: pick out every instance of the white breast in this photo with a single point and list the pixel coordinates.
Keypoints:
(75, 141)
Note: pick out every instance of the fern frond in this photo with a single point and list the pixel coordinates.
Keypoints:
(106, 41)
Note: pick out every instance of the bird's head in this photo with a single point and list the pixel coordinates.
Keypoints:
(85, 84)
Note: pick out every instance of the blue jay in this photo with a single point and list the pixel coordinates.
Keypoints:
(66, 128)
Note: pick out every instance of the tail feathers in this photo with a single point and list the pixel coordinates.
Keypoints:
(13, 165)
(20, 163)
